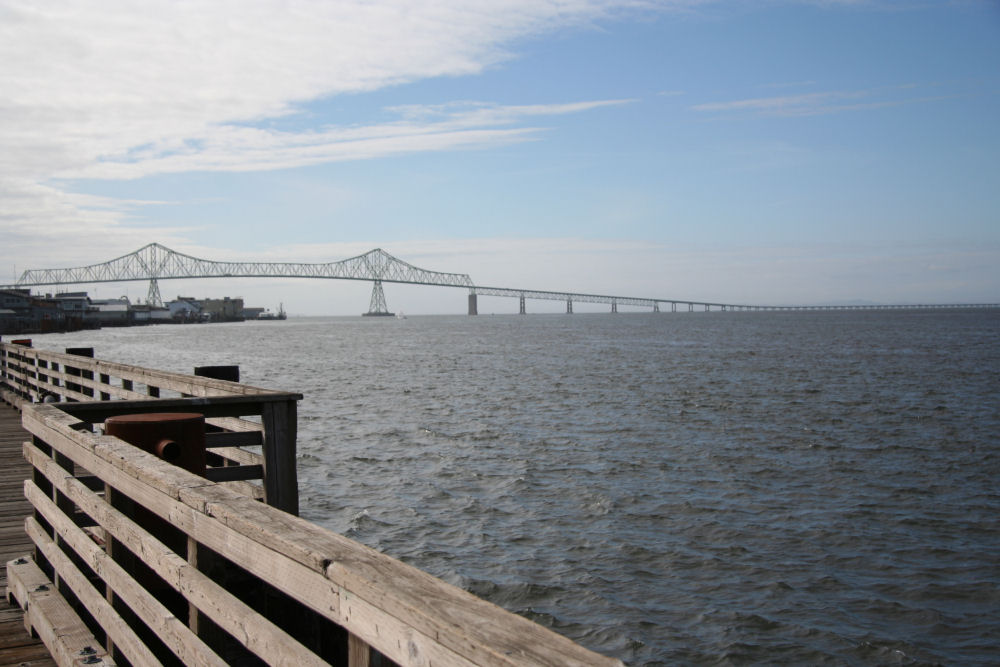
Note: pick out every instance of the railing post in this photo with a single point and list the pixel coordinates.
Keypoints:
(358, 652)
(89, 375)
(105, 380)
(42, 482)
(281, 486)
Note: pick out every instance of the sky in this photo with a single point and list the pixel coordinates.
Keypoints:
(772, 152)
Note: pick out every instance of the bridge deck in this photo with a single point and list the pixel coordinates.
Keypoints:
(17, 647)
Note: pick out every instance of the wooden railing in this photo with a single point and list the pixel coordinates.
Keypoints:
(241, 418)
(140, 561)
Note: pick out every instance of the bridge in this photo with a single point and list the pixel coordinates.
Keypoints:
(155, 262)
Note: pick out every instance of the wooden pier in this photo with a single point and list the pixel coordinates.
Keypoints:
(124, 557)
(17, 646)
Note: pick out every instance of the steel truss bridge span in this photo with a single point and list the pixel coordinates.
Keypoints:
(154, 262)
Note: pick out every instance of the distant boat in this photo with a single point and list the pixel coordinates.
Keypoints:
(268, 315)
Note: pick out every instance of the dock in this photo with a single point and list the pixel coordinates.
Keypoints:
(17, 647)
(151, 519)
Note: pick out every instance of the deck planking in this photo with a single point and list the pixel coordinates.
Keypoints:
(17, 647)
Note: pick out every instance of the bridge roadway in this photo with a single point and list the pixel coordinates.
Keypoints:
(154, 262)
(658, 304)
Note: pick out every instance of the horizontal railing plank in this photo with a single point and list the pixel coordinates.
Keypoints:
(181, 383)
(238, 455)
(247, 626)
(220, 406)
(235, 473)
(238, 439)
(49, 615)
(408, 615)
(171, 630)
(123, 636)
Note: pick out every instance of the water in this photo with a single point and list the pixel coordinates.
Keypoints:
(696, 488)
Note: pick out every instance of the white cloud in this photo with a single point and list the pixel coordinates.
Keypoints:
(816, 104)
(120, 90)
(241, 148)
(85, 82)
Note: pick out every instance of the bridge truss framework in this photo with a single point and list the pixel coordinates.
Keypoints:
(154, 262)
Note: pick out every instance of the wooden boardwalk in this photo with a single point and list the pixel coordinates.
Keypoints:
(16, 645)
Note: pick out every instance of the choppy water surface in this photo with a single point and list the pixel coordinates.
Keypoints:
(703, 488)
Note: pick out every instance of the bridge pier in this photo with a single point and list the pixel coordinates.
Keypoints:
(614, 306)
(153, 297)
(656, 307)
(569, 306)
(523, 311)
(673, 306)
(377, 307)
(473, 304)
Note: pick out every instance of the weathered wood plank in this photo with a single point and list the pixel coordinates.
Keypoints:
(280, 478)
(238, 425)
(405, 614)
(23, 363)
(234, 440)
(238, 455)
(358, 652)
(234, 473)
(50, 616)
(222, 406)
(35, 655)
(150, 611)
(247, 626)
(17, 646)
(416, 618)
(137, 474)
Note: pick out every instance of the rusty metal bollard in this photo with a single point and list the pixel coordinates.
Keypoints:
(178, 437)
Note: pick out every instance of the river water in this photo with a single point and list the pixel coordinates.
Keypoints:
(689, 488)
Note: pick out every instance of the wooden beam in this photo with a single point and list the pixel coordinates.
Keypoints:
(248, 627)
(50, 616)
(281, 487)
(174, 633)
(234, 439)
(125, 639)
(407, 615)
(234, 473)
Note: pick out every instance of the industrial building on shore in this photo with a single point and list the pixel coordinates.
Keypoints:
(22, 312)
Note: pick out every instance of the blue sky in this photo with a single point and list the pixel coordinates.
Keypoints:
(773, 152)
